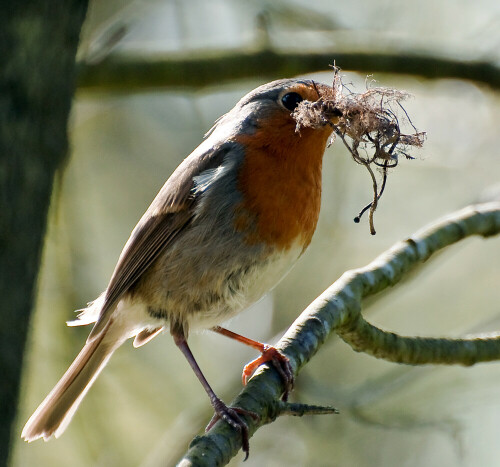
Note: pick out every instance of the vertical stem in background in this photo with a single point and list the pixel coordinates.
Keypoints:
(38, 43)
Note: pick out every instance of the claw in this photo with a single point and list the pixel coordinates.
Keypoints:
(280, 362)
(269, 354)
(231, 415)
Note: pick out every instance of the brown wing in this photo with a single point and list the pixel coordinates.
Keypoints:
(169, 214)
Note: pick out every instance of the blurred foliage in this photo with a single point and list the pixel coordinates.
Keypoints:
(147, 405)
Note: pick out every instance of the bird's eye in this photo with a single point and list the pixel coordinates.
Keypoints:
(291, 100)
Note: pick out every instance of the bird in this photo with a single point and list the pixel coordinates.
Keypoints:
(226, 226)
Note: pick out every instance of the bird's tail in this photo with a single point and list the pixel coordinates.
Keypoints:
(55, 412)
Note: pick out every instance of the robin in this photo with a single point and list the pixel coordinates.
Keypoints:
(224, 229)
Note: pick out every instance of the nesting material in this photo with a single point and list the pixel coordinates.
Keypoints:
(368, 124)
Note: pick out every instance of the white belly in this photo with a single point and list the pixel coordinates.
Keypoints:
(259, 280)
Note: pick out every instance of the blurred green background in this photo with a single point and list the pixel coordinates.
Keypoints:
(147, 405)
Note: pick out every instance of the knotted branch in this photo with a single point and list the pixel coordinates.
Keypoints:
(338, 310)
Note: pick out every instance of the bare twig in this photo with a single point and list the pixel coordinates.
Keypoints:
(299, 410)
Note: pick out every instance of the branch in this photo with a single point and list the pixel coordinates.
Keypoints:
(339, 309)
(133, 73)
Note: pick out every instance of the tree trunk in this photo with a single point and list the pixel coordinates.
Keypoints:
(38, 42)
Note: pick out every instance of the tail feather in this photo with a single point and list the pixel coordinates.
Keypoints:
(55, 412)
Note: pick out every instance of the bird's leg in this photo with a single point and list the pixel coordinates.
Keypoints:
(268, 354)
(230, 415)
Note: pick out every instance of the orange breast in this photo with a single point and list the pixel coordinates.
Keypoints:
(281, 182)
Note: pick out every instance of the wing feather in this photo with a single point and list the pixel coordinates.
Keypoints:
(169, 214)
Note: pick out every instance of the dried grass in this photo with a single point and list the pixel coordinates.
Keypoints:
(368, 124)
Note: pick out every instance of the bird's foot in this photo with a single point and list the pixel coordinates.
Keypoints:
(280, 362)
(231, 415)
